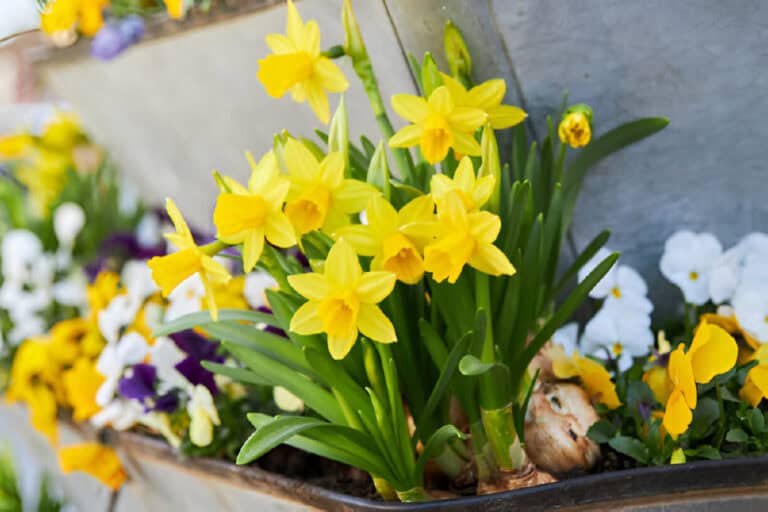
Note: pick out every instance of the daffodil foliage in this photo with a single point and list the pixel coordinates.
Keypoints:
(400, 290)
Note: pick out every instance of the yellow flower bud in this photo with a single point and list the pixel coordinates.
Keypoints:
(575, 129)
(456, 52)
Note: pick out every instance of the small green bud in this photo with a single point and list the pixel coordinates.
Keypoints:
(456, 52)
(353, 40)
(491, 165)
(338, 135)
(430, 75)
(378, 171)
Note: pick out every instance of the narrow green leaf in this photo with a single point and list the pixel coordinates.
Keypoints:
(589, 251)
(434, 446)
(237, 374)
(334, 375)
(272, 434)
(378, 171)
(201, 318)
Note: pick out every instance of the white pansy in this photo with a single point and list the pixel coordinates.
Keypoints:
(164, 356)
(687, 262)
(68, 221)
(745, 262)
(203, 416)
(186, 298)
(620, 284)
(27, 327)
(71, 291)
(567, 337)
(119, 313)
(120, 414)
(137, 278)
(131, 349)
(750, 305)
(256, 283)
(20, 249)
(286, 400)
(620, 331)
(148, 233)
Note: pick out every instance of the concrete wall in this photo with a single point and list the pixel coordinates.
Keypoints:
(173, 109)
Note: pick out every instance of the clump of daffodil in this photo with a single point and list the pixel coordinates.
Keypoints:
(593, 376)
(464, 237)
(712, 352)
(575, 128)
(486, 97)
(250, 215)
(297, 65)
(170, 270)
(395, 239)
(319, 196)
(474, 192)
(438, 125)
(342, 301)
(95, 459)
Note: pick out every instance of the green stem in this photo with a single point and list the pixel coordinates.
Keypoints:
(413, 495)
(721, 420)
(482, 452)
(384, 488)
(406, 359)
(500, 428)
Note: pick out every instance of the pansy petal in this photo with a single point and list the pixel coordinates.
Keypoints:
(677, 415)
(681, 374)
(713, 352)
(374, 324)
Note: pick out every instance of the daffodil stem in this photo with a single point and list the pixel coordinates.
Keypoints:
(214, 248)
(489, 389)
(721, 419)
(500, 428)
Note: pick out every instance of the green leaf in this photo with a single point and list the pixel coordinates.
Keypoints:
(430, 75)
(202, 318)
(736, 435)
(235, 373)
(602, 431)
(334, 375)
(378, 171)
(706, 414)
(520, 410)
(757, 421)
(274, 433)
(435, 444)
(589, 251)
(704, 452)
(630, 447)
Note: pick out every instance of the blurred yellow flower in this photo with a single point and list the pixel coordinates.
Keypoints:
(487, 97)
(343, 301)
(438, 125)
(297, 65)
(15, 146)
(81, 382)
(250, 215)
(62, 132)
(175, 8)
(395, 239)
(95, 459)
(474, 192)
(464, 238)
(575, 130)
(320, 197)
(593, 376)
(67, 15)
(170, 270)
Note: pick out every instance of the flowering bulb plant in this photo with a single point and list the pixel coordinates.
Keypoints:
(416, 291)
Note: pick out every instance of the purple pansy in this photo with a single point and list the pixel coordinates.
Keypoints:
(198, 349)
(139, 382)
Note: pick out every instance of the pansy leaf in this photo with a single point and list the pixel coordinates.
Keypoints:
(602, 431)
(706, 414)
(757, 421)
(736, 435)
(630, 447)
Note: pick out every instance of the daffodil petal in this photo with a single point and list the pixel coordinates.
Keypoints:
(483, 189)
(410, 107)
(488, 94)
(281, 72)
(491, 260)
(279, 231)
(374, 287)
(318, 100)
(505, 116)
(467, 119)
(310, 40)
(362, 239)
(406, 137)
(485, 226)
(301, 163)
(330, 76)
(374, 324)
(464, 177)
(382, 216)
(342, 268)
(352, 196)
(339, 346)
(458, 92)
(294, 27)
(465, 144)
(311, 285)
(279, 43)
(440, 101)
(332, 169)
(253, 246)
(306, 320)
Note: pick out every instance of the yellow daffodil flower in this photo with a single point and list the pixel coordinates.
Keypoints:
(712, 352)
(343, 301)
(297, 65)
(231, 295)
(395, 239)
(64, 16)
(81, 382)
(62, 132)
(474, 192)
(250, 215)
(15, 146)
(464, 238)
(320, 197)
(175, 8)
(33, 374)
(95, 459)
(170, 270)
(438, 125)
(575, 130)
(486, 97)
(593, 376)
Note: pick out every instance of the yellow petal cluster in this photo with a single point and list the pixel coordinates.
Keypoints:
(342, 301)
(95, 459)
(593, 376)
(170, 270)
(297, 65)
(712, 352)
(486, 97)
(65, 16)
(575, 130)
(251, 215)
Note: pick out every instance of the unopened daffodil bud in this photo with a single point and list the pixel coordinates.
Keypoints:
(456, 53)
(430, 75)
(491, 166)
(576, 126)
(353, 40)
(338, 135)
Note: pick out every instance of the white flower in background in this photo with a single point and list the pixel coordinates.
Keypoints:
(131, 349)
(128, 197)
(622, 284)
(750, 305)
(27, 327)
(567, 337)
(186, 298)
(20, 249)
(119, 313)
(164, 356)
(120, 414)
(71, 291)
(286, 400)
(622, 332)
(256, 283)
(746, 262)
(687, 262)
(137, 278)
(148, 232)
(203, 416)
(68, 221)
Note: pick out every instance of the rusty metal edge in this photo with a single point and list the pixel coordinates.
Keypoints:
(697, 480)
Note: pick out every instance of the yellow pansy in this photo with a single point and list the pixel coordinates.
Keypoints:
(95, 459)
(438, 125)
(170, 270)
(320, 197)
(81, 382)
(756, 384)
(15, 146)
(343, 301)
(33, 374)
(66, 337)
(297, 65)
(250, 215)
(395, 239)
(474, 192)
(175, 8)
(99, 294)
(593, 376)
(712, 352)
(44, 174)
(487, 97)
(464, 238)
(731, 324)
(66, 15)
(575, 130)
